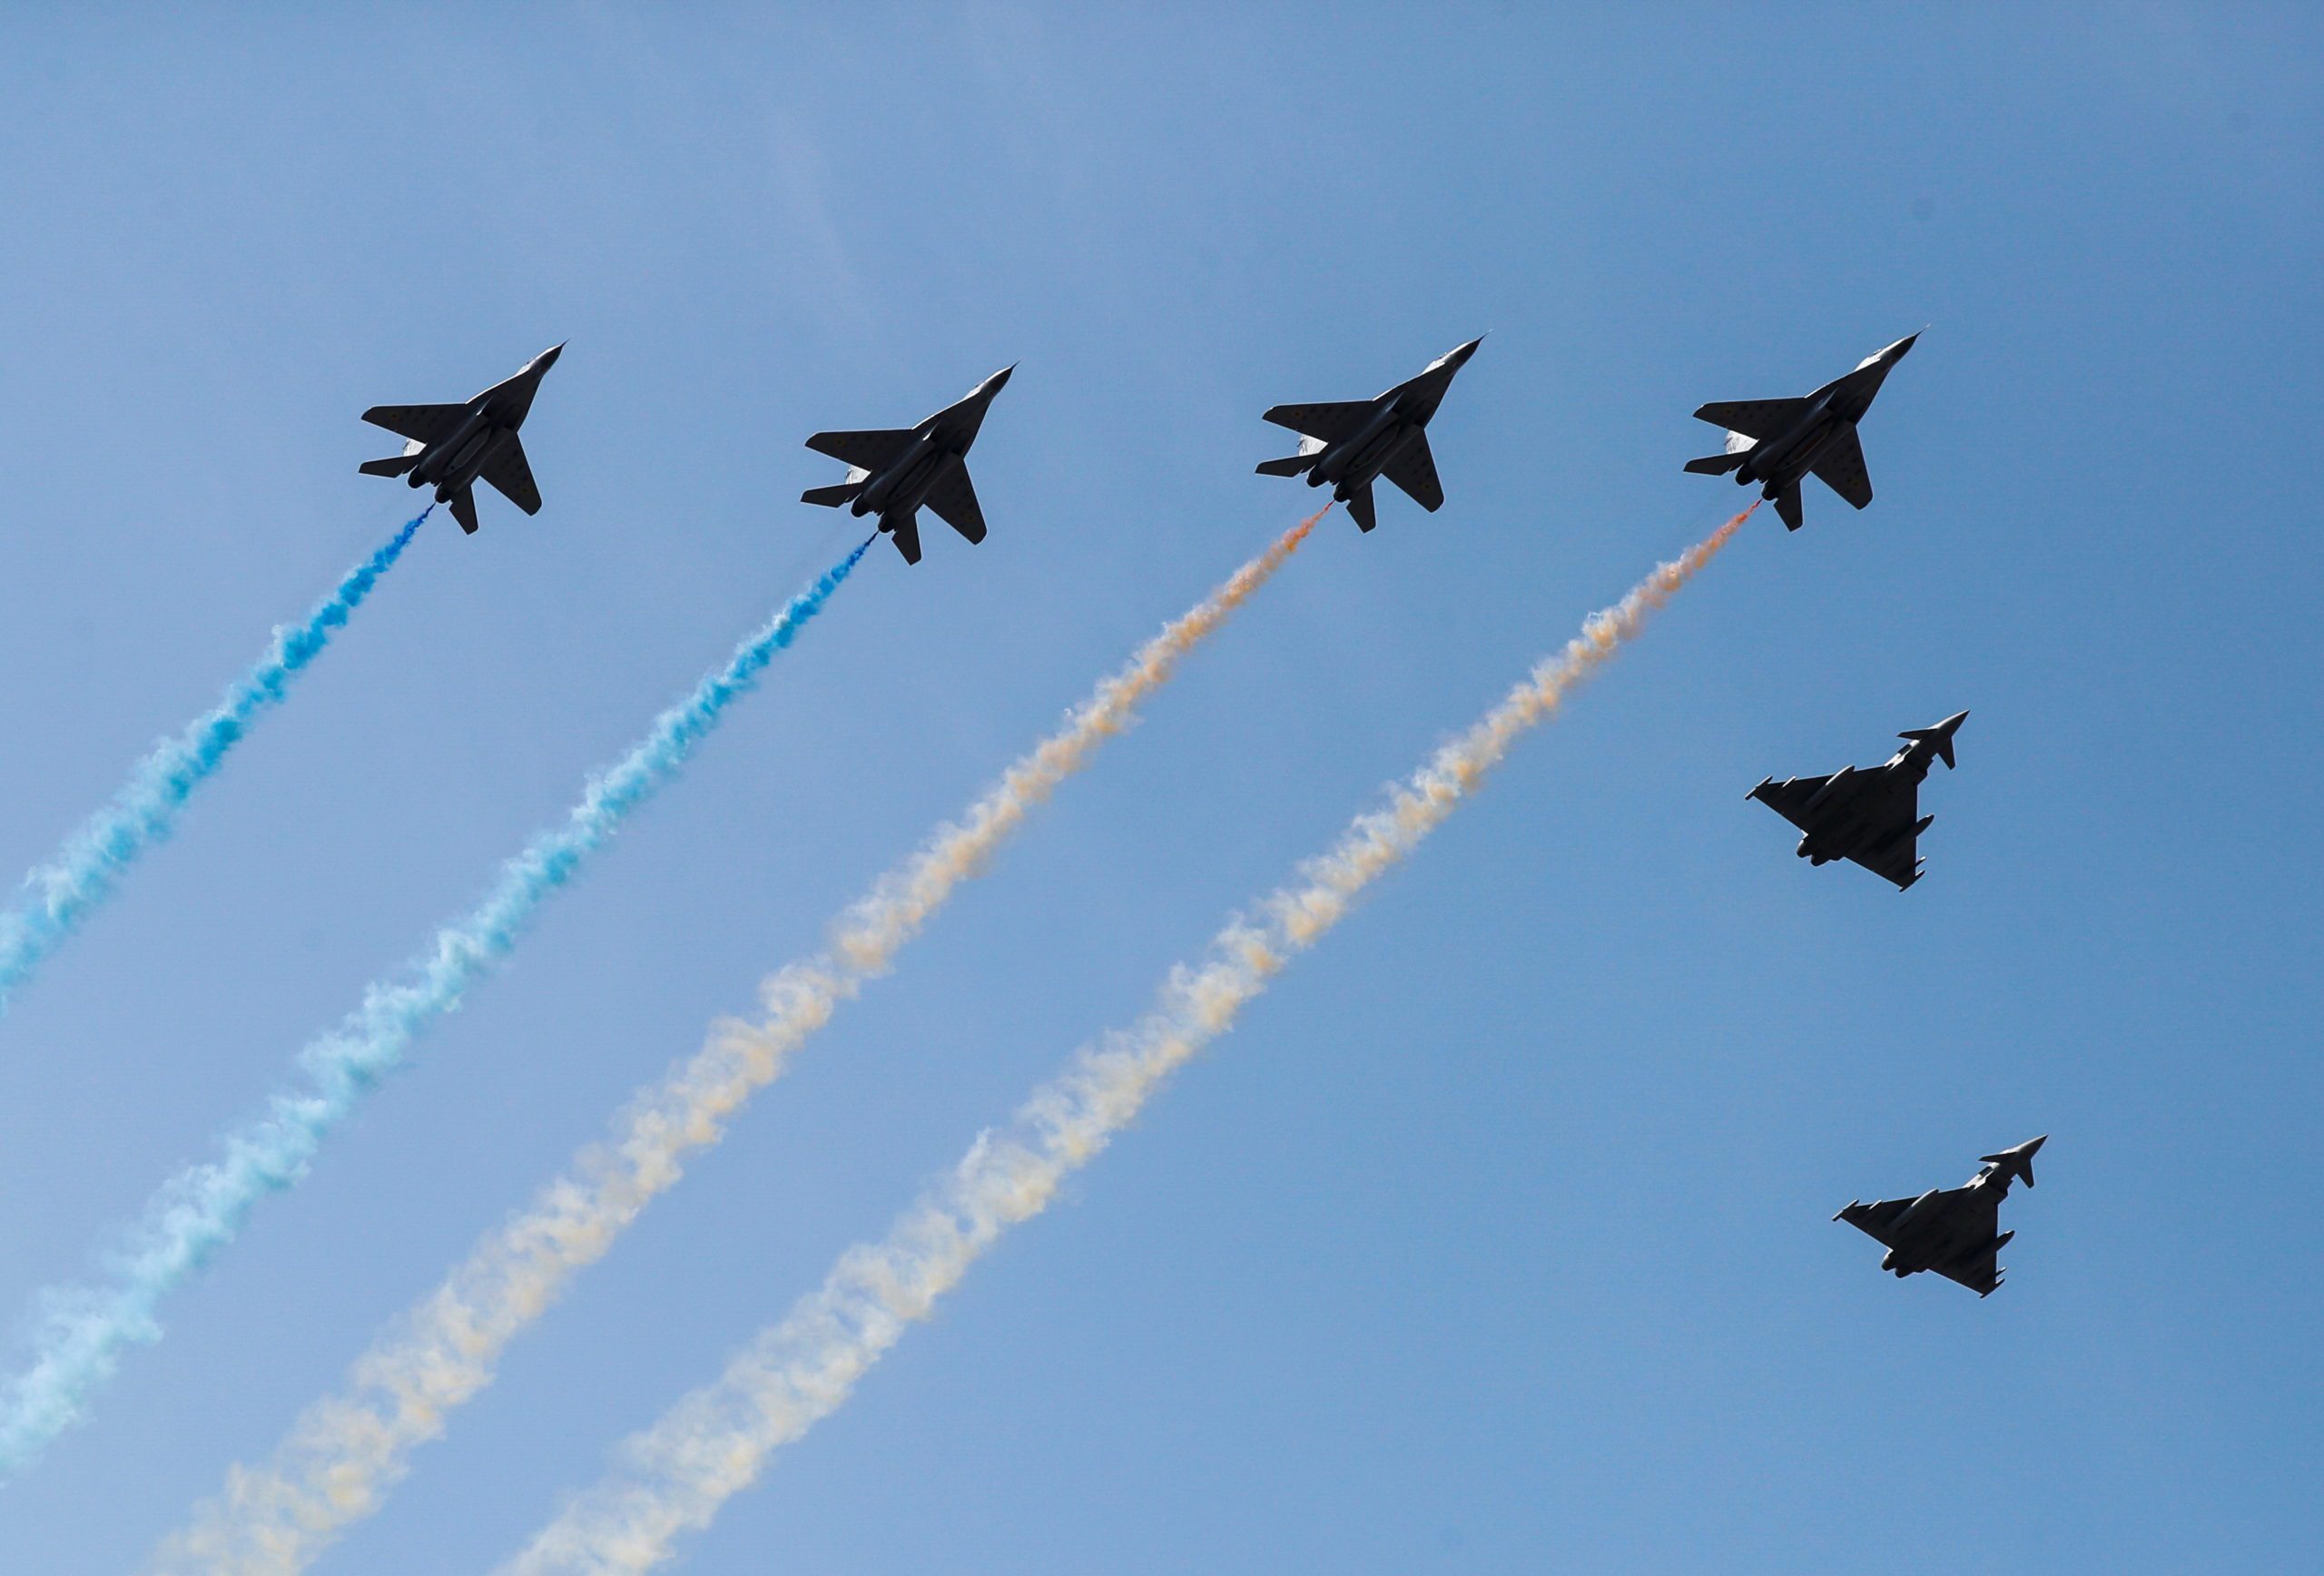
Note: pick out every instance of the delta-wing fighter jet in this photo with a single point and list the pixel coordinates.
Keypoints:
(1955, 1231)
(892, 471)
(1779, 442)
(451, 448)
(1871, 816)
(1349, 446)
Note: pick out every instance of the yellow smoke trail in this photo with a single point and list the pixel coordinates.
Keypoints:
(345, 1452)
(671, 1478)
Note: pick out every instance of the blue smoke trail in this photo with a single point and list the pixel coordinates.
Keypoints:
(57, 896)
(84, 1329)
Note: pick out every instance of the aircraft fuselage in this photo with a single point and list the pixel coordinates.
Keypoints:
(1356, 462)
(452, 463)
(1781, 462)
(1941, 1226)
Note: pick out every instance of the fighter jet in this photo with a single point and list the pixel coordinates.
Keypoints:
(1867, 816)
(1777, 442)
(1351, 445)
(892, 471)
(1950, 1230)
(452, 446)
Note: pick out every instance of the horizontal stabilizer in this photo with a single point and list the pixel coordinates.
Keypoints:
(1290, 465)
(1718, 464)
(395, 465)
(834, 497)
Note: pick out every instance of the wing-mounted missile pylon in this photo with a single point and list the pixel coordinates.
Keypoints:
(451, 448)
(1349, 446)
(1778, 443)
(894, 472)
(1954, 1231)
(1869, 815)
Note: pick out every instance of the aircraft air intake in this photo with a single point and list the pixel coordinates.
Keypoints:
(346, 1451)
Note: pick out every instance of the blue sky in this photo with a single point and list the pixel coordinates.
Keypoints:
(1497, 1238)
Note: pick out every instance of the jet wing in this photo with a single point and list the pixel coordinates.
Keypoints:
(1980, 1272)
(419, 423)
(1414, 470)
(1875, 1220)
(954, 499)
(1332, 423)
(1841, 469)
(1889, 810)
(1978, 1269)
(870, 450)
(1789, 798)
(1759, 419)
(512, 477)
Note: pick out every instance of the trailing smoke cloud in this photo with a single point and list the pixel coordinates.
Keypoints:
(346, 1451)
(671, 1479)
(84, 1329)
(57, 896)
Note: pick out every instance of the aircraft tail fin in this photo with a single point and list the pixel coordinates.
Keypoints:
(463, 504)
(1360, 510)
(904, 531)
(2018, 1162)
(1290, 465)
(834, 497)
(1718, 464)
(1787, 508)
(394, 464)
(1940, 736)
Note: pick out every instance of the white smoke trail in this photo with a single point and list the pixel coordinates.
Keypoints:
(671, 1479)
(347, 1450)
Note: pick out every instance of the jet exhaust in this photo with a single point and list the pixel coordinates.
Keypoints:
(82, 1331)
(346, 1451)
(56, 897)
(674, 1477)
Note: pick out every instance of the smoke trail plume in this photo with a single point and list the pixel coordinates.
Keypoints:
(57, 896)
(85, 1329)
(671, 1479)
(346, 1451)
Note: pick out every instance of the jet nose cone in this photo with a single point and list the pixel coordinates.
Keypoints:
(1953, 723)
(1896, 353)
(2033, 1146)
(997, 381)
(548, 357)
(1459, 356)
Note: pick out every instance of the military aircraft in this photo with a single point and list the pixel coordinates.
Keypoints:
(1353, 444)
(452, 446)
(892, 471)
(1950, 1230)
(1867, 816)
(1778, 442)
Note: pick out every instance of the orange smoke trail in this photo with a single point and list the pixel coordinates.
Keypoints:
(673, 1477)
(346, 1450)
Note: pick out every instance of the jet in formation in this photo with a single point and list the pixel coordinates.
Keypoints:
(1349, 446)
(1779, 442)
(892, 471)
(1955, 1231)
(1871, 816)
(451, 448)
